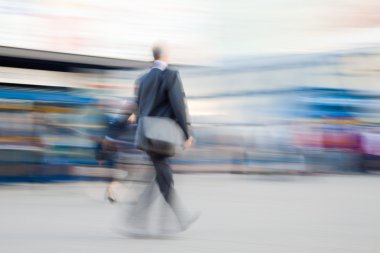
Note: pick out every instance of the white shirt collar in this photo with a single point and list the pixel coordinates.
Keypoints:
(161, 65)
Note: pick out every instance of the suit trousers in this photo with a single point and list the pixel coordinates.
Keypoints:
(164, 175)
(165, 183)
(164, 180)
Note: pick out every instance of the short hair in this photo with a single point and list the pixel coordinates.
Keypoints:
(158, 51)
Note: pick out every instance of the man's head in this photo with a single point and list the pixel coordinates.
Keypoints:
(161, 52)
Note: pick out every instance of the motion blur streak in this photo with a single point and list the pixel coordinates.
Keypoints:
(280, 90)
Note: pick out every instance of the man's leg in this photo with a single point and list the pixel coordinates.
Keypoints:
(164, 179)
(164, 176)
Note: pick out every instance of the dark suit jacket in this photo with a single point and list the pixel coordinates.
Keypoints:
(160, 93)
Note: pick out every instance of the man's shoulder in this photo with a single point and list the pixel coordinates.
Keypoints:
(142, 75)
(171, 70)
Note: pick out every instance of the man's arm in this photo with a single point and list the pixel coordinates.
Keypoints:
(177, 100)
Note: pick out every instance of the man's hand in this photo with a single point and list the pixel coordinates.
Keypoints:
(189, 142)
(132, 118)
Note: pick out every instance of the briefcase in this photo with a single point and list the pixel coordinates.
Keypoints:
(159, 135)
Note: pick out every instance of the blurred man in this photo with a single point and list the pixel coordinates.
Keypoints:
(161, 94)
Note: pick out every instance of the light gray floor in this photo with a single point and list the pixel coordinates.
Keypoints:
(239, 214)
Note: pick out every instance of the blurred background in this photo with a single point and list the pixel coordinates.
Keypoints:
(275, 86)
(284, 97)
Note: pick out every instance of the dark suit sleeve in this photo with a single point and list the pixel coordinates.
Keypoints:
(178, 103)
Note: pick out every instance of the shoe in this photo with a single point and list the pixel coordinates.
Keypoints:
(110, 198)
(189, 221)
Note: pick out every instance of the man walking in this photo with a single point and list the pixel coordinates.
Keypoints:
(161, 94)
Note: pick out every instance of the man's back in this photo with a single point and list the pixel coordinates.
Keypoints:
(161, 94)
